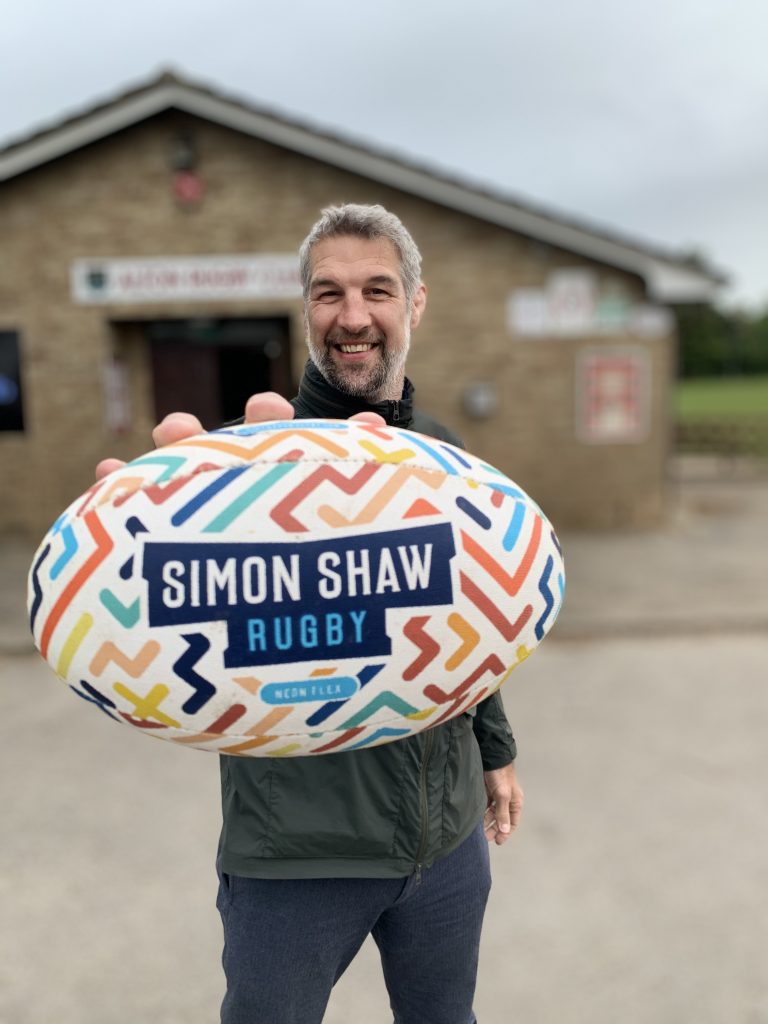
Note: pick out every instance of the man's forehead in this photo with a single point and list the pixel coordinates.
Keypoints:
(350, 255)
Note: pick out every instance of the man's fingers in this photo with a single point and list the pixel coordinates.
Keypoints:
(176, 426)
(107, 466)
(267, 406)
(369, 417)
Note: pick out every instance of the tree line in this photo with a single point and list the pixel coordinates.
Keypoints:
(719, 343)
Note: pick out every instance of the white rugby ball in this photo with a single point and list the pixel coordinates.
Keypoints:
(292, 588)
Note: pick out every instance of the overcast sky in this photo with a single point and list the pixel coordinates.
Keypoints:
(648, 116)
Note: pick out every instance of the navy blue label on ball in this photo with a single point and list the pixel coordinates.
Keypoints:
(300, 601)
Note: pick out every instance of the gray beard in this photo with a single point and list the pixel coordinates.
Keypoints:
(368, 383)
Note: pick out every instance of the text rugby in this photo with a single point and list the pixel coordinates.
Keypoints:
(294, 588)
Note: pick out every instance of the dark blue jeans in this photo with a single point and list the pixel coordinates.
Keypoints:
(286, 943)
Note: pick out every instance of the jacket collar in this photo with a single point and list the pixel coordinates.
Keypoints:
(325, 400)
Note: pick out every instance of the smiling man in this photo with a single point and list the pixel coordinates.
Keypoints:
(317, 853)
(359, 314)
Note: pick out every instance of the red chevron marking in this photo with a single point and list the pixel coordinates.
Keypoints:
(429, 648)
(381, 432)
(421, 507)
(292, 456)
(158, 494)
(348, 734)
(456, 706)
(282, 512)
(492, 663)
(509, 630)
(104, 545)
(141, 723)
(223, 722)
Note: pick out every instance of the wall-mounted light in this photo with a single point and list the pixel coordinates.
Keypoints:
(480, 399)
(183, 152)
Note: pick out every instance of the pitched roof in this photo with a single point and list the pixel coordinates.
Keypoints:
(669, 276)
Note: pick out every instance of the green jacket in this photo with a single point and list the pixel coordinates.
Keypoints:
(375, 812)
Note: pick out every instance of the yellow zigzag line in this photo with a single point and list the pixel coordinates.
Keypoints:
(401, 455)
(149, 706)
(383, 497)
(522, 652)
(71, 644)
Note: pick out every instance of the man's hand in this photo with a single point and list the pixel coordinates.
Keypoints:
(258, 409)
(505, 803)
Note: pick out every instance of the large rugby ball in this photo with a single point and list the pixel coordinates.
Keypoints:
(294, 588)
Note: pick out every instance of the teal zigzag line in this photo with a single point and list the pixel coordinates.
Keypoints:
(247, 498)
(171, 462)
(126, 614)
(380, 734)
(386, 699)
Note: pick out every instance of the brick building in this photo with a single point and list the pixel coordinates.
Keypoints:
(149, 264)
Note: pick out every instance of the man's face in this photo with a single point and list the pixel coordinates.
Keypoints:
(358, 321)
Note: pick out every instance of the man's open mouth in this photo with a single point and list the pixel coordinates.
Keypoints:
(364, 346)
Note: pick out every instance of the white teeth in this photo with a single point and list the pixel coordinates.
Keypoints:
(356, 348)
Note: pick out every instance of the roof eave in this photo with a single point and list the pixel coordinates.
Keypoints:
(667, 281)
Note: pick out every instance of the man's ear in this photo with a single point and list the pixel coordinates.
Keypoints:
(418, 305)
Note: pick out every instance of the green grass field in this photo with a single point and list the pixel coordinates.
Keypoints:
(727, 397)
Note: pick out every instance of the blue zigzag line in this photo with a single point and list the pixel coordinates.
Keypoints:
(248, 430)
(36, 588)
(94, 697)
(184, 668)
(134, 526)
(70, 550)
(508, 489)
(447, 466)
(474, 513)
(207, 494)
(512, 535)
(456, 455)
(364, 677)
(549, 598)
(556, 542)
(379, 734)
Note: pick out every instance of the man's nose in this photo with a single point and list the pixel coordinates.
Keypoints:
(354, 315)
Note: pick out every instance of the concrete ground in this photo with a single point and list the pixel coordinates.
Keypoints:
(636, 890)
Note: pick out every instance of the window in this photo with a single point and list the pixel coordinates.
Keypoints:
(11, 411)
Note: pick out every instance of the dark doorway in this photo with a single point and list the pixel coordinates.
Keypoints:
(211, 367)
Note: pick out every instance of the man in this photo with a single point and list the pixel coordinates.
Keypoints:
(318, 853)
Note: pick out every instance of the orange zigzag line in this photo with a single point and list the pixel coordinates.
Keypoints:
(382, 498)
(469, 637)
(136, 666)
(104, 545)
(511, 584)
(259, 730)
(249, 454)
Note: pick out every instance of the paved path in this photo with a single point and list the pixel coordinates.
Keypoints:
(635, 892)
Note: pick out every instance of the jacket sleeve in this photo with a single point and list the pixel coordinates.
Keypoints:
(493, 733)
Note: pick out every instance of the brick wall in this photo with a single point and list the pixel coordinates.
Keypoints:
(114, 199)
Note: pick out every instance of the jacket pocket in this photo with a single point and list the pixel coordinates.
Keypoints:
(338, 805)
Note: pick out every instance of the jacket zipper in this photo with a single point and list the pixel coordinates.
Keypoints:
(424, 837)
(395, 412)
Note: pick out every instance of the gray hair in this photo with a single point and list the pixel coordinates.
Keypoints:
(370, 222)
